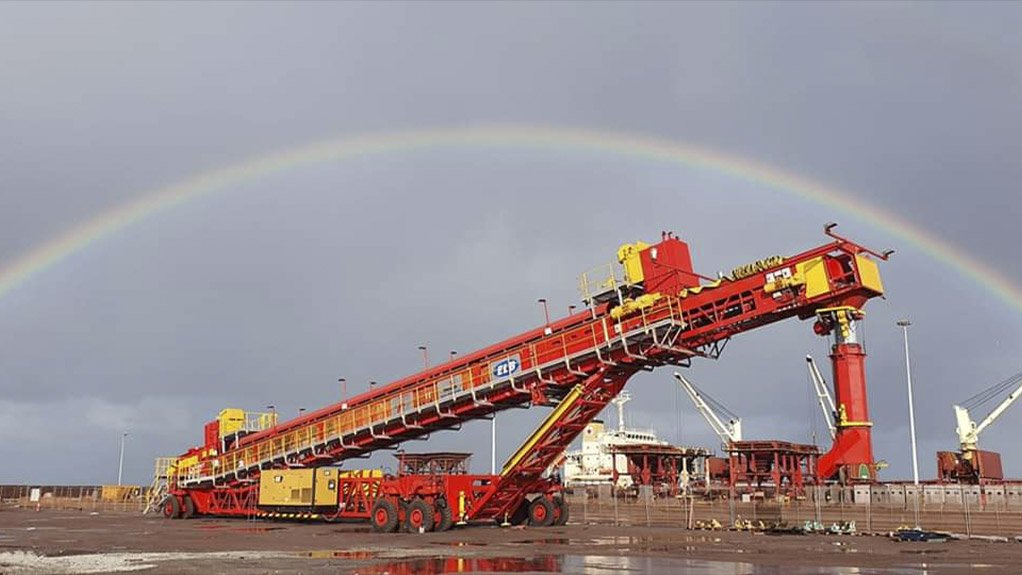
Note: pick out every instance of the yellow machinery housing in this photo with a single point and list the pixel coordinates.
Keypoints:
(305, 488)
(628, 256)
(231, 420)
(299, 487)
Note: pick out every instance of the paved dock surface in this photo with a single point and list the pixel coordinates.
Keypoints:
(55, 542)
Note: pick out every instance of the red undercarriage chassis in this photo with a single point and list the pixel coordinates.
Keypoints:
(649, 309)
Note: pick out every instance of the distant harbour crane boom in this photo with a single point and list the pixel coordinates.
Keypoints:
(968, 430)
(823, 396)
(729, 432)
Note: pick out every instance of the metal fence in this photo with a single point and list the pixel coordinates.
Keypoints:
(79, 497)
(966, 516)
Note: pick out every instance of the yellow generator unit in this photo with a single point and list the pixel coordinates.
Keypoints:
(299, 487)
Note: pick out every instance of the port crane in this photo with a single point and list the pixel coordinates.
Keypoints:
(648, 310)
(729, 431)
(970, 464)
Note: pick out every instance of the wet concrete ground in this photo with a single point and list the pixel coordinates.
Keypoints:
(79, 542)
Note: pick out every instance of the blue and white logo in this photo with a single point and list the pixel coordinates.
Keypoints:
(506, 368)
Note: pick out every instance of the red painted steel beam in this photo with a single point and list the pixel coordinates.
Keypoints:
(678, 326)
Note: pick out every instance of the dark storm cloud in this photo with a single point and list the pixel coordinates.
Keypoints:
(269, 292)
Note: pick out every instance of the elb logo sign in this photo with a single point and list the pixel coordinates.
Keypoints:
(506, 368)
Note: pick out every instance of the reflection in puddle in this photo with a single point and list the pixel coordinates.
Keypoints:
(598, 565)
(341, 554)
(260, 529)
(438, 565)
(557, 541)
(257, 529)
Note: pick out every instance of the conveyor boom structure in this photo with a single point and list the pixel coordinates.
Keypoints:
(658, 312)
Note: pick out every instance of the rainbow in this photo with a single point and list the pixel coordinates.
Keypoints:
(643, 147)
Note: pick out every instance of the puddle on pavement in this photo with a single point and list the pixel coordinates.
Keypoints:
(438, 565)
(257, 529)
(341, 554)
(604, 564)
(555, 541)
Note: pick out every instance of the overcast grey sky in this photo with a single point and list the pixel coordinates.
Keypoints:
(268, 292)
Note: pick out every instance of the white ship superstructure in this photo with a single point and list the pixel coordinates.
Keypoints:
(594, 464)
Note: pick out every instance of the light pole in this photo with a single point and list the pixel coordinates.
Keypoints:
(425, 356)
(344, 388)
(493, 443)
(571, 309)
(301, 410)
(453, 355)
(911, 417)
(372, 384)
(120, 461)
(546, 310)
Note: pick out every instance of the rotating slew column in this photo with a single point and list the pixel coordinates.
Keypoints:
(851, 456)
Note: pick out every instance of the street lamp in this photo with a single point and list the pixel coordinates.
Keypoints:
(301, 410)
(344, 388)
(493, 443)
(903, 324)
(571, 309)
(120, 461)
(372, 383)
(425, 356)
(453, 354)
(546, 310)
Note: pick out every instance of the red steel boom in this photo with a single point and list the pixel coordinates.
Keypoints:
(657, 312)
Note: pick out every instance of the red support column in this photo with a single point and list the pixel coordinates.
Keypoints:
(851, 454)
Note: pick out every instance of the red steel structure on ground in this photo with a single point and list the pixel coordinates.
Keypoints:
(660, 312)
(660, 467)
(780, 467)
(435, 463)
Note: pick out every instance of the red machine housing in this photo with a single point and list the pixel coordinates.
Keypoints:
(667, 266)
(211, 434)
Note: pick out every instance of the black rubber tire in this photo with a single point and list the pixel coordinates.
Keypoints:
(384, 516)
(541, 512)
(446, 516)
(560, 511)
(171, 508)
(188, 510)
(420, 514)
(521, 514)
